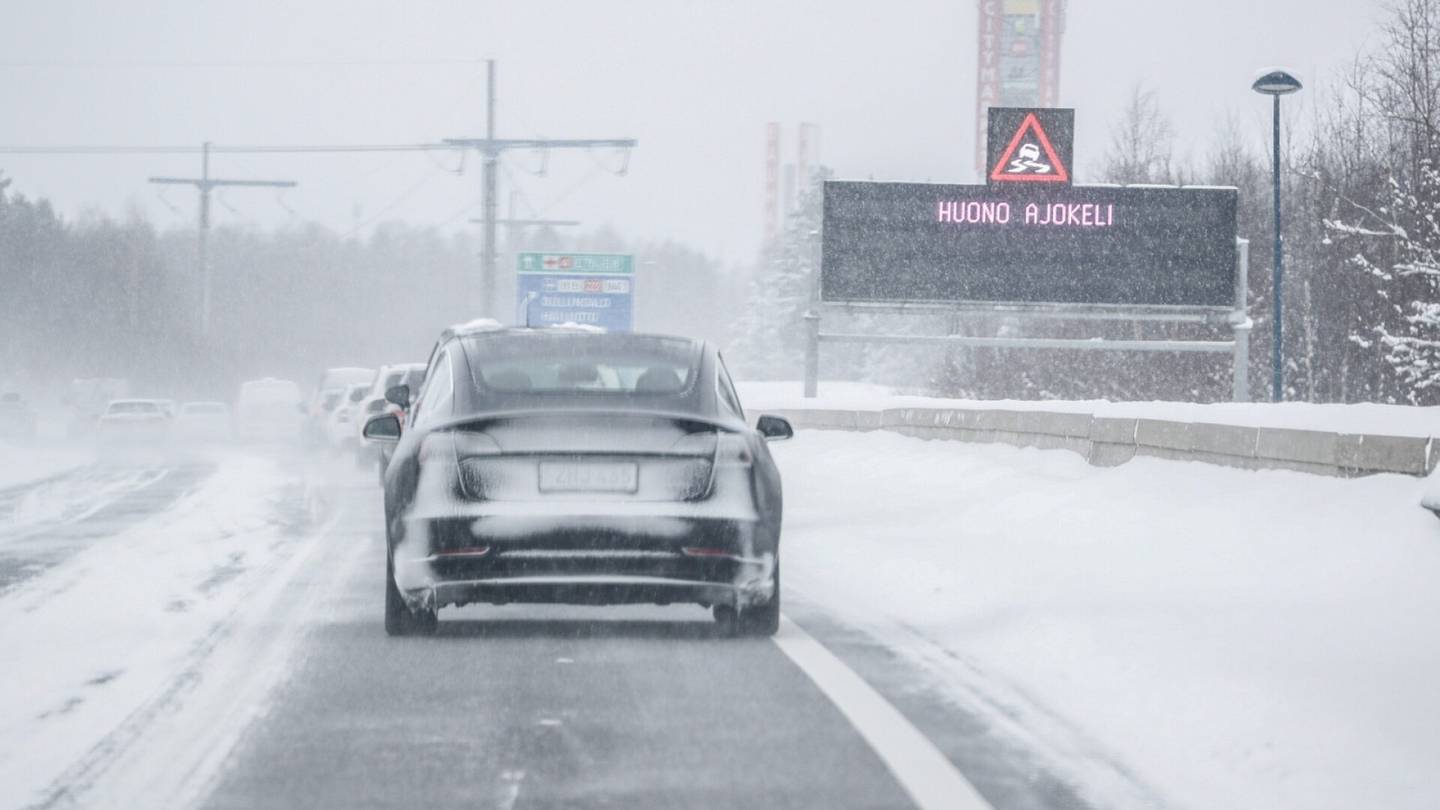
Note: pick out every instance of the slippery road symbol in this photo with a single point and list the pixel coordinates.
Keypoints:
(1029, 157)
(1029, 161)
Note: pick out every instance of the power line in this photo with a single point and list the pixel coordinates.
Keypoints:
(232, 150)
(59, 64)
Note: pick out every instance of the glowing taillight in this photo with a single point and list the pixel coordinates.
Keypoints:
(706, 551)
(455, 553)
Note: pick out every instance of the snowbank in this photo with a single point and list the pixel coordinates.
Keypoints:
(1230, 638)
(1384, 420)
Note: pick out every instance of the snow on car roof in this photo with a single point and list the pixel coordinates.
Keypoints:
(472, 326)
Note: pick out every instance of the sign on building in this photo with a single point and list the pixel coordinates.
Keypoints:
(595, 289)
(1018, 49)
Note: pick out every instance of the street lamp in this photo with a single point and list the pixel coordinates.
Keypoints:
(1277, 83)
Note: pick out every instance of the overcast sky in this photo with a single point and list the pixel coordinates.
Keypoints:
(892, 84)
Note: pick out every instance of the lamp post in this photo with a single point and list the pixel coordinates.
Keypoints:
(1277, 83)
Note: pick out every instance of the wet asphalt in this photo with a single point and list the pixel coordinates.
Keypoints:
(541, 707)
(583, 707)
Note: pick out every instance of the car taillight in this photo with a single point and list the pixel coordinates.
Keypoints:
(707, 551)
(732, 449)
(462, 553)
(473, 451)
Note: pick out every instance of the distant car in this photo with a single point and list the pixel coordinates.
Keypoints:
(134, 420)
(17, 418)
(204, 421)
(269, 410)
(546, 465)
(327, 395)
(342, 428)
(409, 375)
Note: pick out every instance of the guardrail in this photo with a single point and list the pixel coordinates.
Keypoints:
(1108, 441)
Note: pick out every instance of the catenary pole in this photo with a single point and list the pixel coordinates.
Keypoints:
(491, 203)
(205, 184)
(491, 148)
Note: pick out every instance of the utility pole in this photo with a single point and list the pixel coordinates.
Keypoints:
(205, 183)
(491, 148)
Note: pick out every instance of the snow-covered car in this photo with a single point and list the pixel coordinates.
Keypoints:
(134, 420)
(269, 410)
(326, 397)
(17, 418)
(388, 377)
(564, 466)
(204, 422)
(342, 427)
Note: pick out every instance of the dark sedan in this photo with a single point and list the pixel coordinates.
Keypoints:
(572, 466)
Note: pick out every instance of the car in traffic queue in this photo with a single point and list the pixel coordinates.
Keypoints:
(342, 427)
(134, 421)
(326, 397)
(574, 466)
(409, 375)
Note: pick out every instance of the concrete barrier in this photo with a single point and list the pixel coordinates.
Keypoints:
(1108, 441)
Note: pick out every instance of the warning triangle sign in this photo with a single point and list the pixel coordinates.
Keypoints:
(1029, 157)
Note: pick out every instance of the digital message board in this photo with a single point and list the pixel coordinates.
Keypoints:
(921, 242)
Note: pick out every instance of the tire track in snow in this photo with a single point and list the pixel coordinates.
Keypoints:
(44, 523)
(165, 752)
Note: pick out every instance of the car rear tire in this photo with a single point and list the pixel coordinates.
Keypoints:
(727, 621)
(400, 620)
(763, 620)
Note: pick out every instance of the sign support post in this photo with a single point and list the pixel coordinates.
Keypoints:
(1241, 324)
(812, 323)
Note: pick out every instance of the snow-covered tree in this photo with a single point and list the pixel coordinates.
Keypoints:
(770, 330)
(1401, 254)
(1391, 235)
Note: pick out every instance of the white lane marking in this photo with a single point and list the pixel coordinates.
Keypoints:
(926, 774)
(564, 660)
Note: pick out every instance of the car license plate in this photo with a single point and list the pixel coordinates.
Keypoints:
(558, 476)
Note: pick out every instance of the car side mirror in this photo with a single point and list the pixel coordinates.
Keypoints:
(775, 428)
(382, 428)
(399, 395)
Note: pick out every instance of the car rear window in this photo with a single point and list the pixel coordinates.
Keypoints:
(563, 369)
(583, 365)
(134, 407)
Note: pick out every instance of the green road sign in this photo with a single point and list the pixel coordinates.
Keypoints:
(577, 263)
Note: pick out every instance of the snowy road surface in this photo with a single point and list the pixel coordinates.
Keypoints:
(205, 633)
